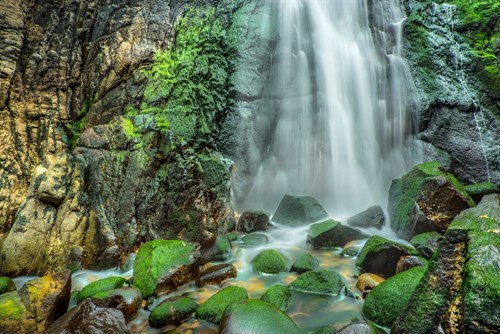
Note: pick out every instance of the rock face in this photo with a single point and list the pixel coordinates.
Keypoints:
(371, 217)
(298, 210)
(425, 199)
(331, 234)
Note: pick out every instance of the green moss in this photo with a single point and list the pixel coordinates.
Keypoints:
(316, 229)
(426, 243)
(478, 190)
(101, 285)
(270, 262)
(376, 244)
(6, 285)
(11, 307)
(172, 312)
(214, 307)
(129, 129)
(319, 281)
(386, 301)
(278, 295)
(305, 263)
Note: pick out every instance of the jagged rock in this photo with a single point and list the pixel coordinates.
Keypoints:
(426, 243)
(251, 221)
(371, 217)
(126, 299)
(212, 309)
(319, 281)
(255, 317)
(386, 301)
(366, 282)
(163, 265)
(410, 261)
(172, 312)
(460, 291)
(298, 210)
(105, 284)
(425, 199)
(331, 234)
(6, 285)
(380, 256)
(215, 274)
(270, 262)
(14, 317)
(478, 190)
(88, 317)
(254, 239)
(215, 249)
(305, 262)
(279, 296)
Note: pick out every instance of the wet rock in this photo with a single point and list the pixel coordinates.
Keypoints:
(256, 317)
(478, 190)
(254, 239)
(319, 281)
(460, 291)
(270, 262)
(172, 312)
(88, 317)
(304, 263)
(251, 221)
(410, 261)
(47, 297)
(371, 217)
(426, 243)
(232, 236)
(14, 317)
(101, 285)
(386, 301)
(279, 296)
(216, 274)
(350, 251)
(298, 211)
(6, 285)
(126, 299)
(380, 256)
(356, 328)
(366, 282)
(425, 199)
(215, 249)
(163, 265)
(212, 309)
(331, 234)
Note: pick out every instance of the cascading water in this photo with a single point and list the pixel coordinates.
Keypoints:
(337, 111)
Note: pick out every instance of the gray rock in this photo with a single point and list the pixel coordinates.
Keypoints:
(371, 217)
(298, 211)
(331, 234)
(251, 221)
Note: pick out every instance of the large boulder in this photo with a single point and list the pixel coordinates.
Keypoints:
(319, 281)
(213, 309)
(126, 299)
(163, 265)
(380, 256)
(461, 290)
(386, 301)
(425, 199)
(371, 217)
(331, 234)
(256, 317)
(251, 221)
(298, 210)
(270, 262)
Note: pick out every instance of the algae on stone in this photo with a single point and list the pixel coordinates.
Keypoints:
(270, 262)
(212, 309)
(319, 281)
(105, 284)
(279, 296)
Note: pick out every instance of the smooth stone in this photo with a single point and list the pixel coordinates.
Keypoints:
(332, 234)
(305, 262)
(371, 217)
(319, 281)
(254, 239)
(213, 308)
(126, 299)
(298, 211)
(105, 284)
(270, 262)
(216, 274)
(367, 282)
(251, 221)
(407, 262)
(172, 312)
(279, 296)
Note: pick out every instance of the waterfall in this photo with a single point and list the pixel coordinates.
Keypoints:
(337, 111)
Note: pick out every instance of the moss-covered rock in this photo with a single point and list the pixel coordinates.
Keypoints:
(386, 301)
(477, 190)
(278, 295)
(319, 281)
(216, 274)
(101, 285)
(212, 309)
(331, 234)
(371, 217)
(425, 199)
(256, 317)
(172, 312)
(215, 249)
(254, 239)
(126, 299)
(305, 262)
(6, 285)
(426, 243)
(298, 210)
(350, 251)
(14, 317)
(270, 262)
(380, 256)
(163, 265)
(254, 220)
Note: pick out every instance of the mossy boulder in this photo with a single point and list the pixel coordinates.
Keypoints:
(215, 249)
(6, 285)
(105, 284)
(278, 295)
(426, 243)
(270, 262)
(425, 199)
(254, 239)
(256, 317)
(14, 317)
(371, 217)
(172, 312)
(319, 281)
(477, 190)
(126, 299)
(332, 234)
(298, 211)
(212, 309)
(380, 256)
(305, 262)
(386, 301)
(216, 274)
(254, 220)
(163, 265)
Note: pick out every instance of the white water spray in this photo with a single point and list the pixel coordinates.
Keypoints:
(337, 113)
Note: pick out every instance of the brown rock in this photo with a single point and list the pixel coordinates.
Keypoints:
(216, 274)
(408, 262)
(128, 300)
(367, 282)
(14, 317)
(251, 221)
